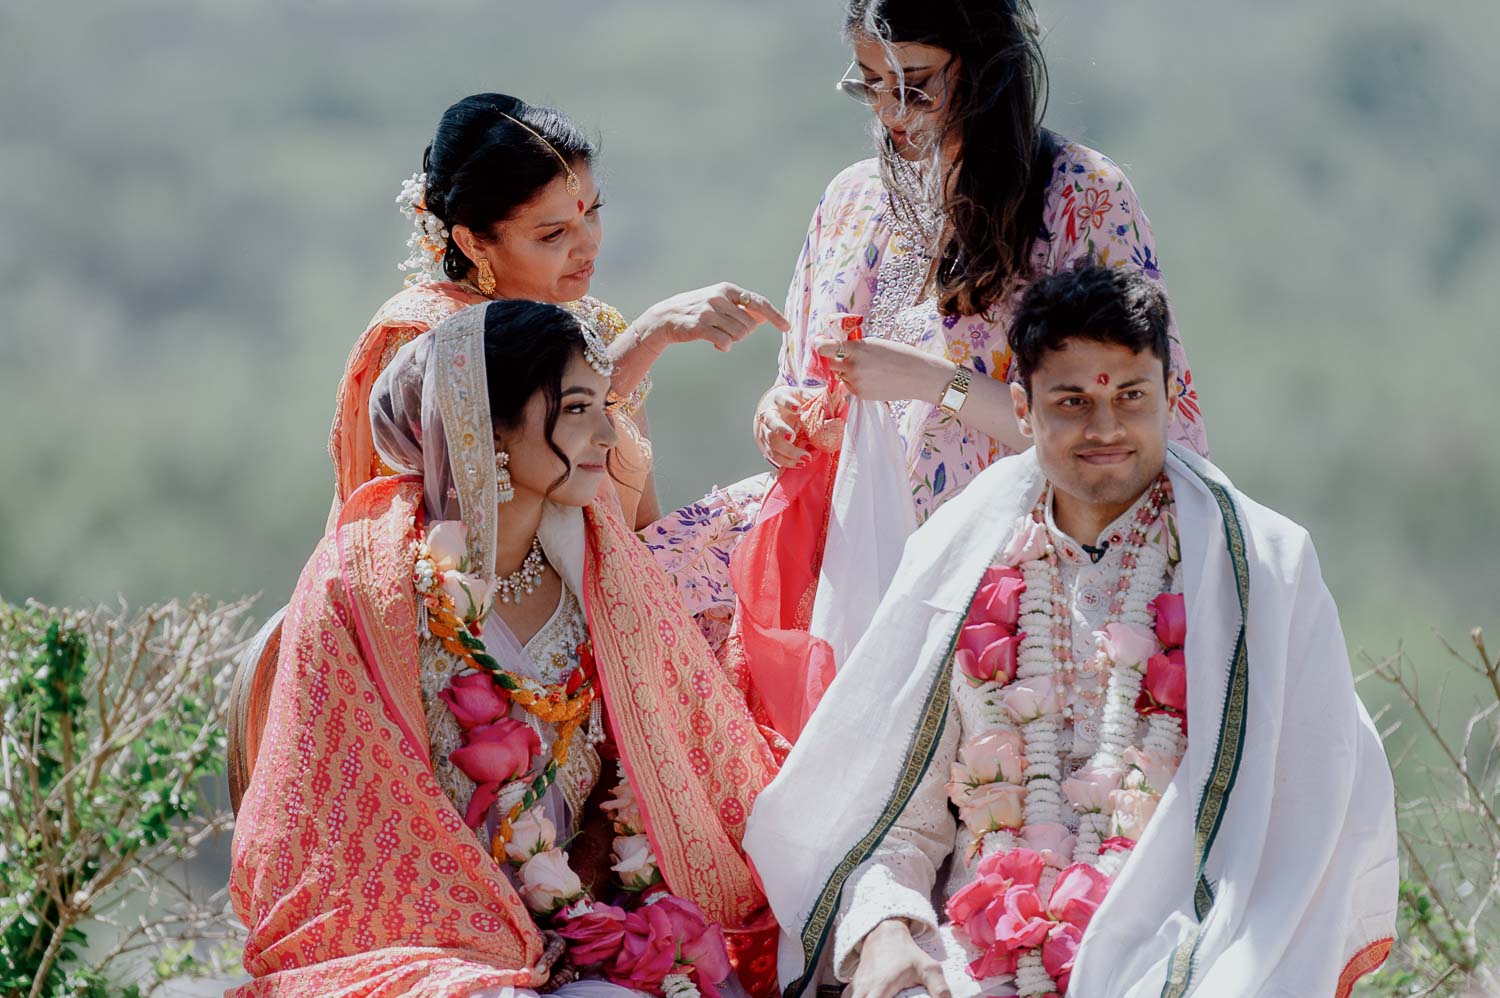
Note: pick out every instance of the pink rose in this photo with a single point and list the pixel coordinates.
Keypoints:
(1028, 542)
(475, 699)
(1129, 644)
(1171, 619)
(1030, 699)
(1059, 952)
(647, 952)
(1116, 843)
(1053, 842)
(987, 652)
(548, 882)
(1024, 923)
(1155, 769)
(991, 807)
(1020, 866)
(1165, 688)
(1090, 787)
(494, 753)
(448, 545)
(995, 756)
(999, 598)
(1079, 891)
(1131, 811)
(497, 752)
(699, 943)
(596, 933)
(623, 810)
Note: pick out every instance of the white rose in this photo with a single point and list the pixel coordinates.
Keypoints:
(635, 862)
(548, 882)
(1131, 812)
(530, 834)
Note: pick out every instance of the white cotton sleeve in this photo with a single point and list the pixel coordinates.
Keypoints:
(898, 880)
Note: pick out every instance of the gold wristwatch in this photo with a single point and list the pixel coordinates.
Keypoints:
(957, 392)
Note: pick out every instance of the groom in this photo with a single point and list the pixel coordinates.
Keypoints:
(1101, 738)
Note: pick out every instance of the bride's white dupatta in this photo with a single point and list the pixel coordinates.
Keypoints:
(1270, 866)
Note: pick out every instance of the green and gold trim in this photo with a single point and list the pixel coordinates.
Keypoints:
(1226, 764)
(924, 743)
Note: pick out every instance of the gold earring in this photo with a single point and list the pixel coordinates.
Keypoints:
(486, 279)
(504, 491)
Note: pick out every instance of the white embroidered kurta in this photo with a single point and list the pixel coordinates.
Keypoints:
(929, 855)
(1269, 867)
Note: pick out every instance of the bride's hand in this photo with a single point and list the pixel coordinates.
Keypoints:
(778, 420)
(890, 961)
(721, 314)
(879, 370)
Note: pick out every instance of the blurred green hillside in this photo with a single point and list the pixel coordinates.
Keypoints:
(199, 220)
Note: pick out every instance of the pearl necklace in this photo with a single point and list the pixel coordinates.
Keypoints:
(523, 581)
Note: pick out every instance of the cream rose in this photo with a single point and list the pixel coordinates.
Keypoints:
(548, 882)
(1148, 770)
(471, 595)
(530, 834)
(1090, 787)
(1132, 811)
(448, 545)
(635, 862)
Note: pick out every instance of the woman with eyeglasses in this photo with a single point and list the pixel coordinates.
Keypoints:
(968, 200)
(931, 244)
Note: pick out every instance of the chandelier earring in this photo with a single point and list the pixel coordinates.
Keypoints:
(504, 490)
(485, 281)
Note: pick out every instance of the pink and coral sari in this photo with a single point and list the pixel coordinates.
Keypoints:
(355, 873)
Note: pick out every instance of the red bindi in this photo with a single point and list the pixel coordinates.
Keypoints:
(580, 207)
(1103, 379)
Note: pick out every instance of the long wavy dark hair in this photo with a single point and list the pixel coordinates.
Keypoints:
(482, 167)
(994, 188)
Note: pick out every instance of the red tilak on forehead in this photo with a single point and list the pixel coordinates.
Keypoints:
(1103, 379)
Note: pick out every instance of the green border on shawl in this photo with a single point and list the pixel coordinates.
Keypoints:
(1227, 755)
(924, 743)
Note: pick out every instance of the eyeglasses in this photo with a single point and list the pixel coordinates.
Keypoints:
(869, 94)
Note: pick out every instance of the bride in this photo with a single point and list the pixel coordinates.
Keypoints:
(434, 806)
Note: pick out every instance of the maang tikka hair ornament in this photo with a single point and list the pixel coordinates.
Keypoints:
(572, 183)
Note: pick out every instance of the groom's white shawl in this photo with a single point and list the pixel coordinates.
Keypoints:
(1270, 866)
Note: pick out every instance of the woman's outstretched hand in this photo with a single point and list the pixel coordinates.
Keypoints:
(721, 314)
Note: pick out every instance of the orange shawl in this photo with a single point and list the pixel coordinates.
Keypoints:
(409, 313)
(352, 869)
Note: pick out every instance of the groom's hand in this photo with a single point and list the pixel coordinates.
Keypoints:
(891, 961)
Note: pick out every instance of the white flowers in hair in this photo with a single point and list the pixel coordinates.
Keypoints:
(429, 243)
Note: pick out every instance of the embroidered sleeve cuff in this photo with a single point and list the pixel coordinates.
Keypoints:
(876, 894)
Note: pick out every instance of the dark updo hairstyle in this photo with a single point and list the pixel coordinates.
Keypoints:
(1118, 305)
(482, 167)
(994, 198)
(527, 346)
